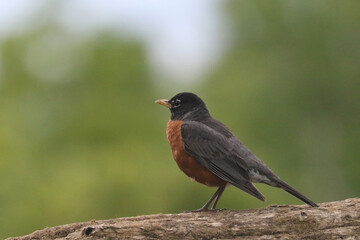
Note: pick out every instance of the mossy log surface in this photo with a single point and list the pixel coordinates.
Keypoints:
(333, 220)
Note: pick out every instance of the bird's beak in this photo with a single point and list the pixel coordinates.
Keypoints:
(164, 102)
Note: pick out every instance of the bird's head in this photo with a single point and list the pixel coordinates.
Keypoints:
(185, 106)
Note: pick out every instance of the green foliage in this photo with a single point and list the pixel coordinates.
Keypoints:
(292, 79)
(81, 137)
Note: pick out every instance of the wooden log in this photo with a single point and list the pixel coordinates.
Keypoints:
(333, 220)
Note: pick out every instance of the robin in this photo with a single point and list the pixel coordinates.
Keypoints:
(208, 152)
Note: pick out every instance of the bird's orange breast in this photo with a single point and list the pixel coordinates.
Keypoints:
(186, 162)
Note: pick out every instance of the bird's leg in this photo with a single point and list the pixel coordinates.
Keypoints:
(220, 192)
(207, 204)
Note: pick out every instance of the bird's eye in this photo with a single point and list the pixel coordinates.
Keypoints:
(175, 103)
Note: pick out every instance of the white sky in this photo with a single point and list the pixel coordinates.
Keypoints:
(184, 38)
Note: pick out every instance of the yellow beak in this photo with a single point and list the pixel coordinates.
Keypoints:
(164, 102)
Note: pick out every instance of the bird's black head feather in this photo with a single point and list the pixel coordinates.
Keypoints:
(187, 106)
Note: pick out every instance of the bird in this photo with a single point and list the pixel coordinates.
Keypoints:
(209, 153)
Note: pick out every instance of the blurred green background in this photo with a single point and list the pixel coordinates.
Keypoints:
(81, 137)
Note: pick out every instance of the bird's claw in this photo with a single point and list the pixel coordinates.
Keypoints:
(205, 210)
(219, 209)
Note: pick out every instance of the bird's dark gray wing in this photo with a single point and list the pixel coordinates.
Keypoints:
(216, 152)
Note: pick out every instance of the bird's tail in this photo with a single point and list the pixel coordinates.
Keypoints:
(281, 184)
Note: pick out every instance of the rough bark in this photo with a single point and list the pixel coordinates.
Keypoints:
(333, 220)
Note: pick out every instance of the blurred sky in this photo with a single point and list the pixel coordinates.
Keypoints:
(183, 38)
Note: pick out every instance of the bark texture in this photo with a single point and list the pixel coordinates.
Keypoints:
(333, 220)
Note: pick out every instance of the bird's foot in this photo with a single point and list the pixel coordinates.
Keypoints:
(197, 210)
(219, 209)
(205, 210)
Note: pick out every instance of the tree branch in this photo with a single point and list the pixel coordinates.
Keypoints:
(334, 220)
